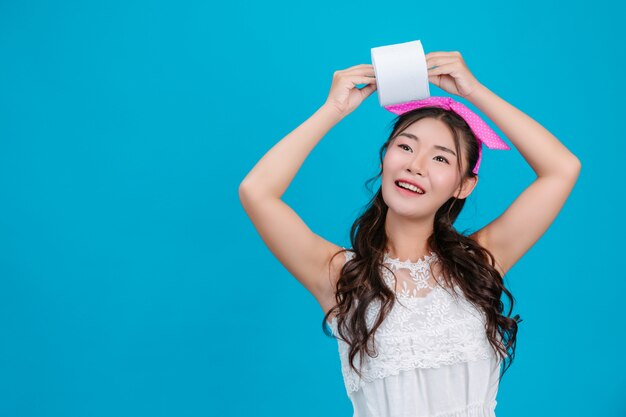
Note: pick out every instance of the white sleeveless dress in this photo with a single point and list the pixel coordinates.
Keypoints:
(434, 358)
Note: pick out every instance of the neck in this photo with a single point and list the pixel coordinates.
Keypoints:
(407, 238)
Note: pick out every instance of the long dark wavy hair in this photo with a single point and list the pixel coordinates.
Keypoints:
(463, 261)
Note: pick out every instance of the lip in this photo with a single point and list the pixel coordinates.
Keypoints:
(408, 193)
(412, 183)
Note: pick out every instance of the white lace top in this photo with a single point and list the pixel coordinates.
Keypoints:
(434, 358)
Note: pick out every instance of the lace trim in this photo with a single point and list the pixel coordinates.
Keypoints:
(404, 353)
(419, 332)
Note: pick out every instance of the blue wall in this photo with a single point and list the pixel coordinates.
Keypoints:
(133, 284)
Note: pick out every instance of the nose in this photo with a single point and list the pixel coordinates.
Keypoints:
(417, 163)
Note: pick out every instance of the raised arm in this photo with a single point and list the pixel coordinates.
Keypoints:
(509, 236)
(516, 230)
(302, 252)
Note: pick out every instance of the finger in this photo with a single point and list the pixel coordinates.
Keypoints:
(358, 67)
(367, 70)
(435, 80)
(442, 69)
(439, 61)
(367, 91)
(437, 54)
(362, 80)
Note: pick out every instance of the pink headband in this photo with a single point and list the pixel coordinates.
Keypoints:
(481, 130)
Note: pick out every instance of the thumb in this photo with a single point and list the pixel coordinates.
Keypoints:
(367, 91)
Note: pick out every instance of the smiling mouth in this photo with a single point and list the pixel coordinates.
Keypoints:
(406, 190)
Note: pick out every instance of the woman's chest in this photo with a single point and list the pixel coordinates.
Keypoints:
(439, 312)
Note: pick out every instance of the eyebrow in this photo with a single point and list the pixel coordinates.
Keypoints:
(415, 138)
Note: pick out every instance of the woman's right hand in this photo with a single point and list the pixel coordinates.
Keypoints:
(344, 96)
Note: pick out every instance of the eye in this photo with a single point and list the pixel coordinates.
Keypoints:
(438, 156)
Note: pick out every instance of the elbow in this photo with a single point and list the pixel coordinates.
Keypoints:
(248, 194)
(243, 192)
(249, 191)
(577, 165)
(573, 168)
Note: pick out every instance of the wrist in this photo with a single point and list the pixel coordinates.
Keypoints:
(479, 92)
(332, 112)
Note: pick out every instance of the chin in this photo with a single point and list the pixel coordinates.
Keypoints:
(404, 207)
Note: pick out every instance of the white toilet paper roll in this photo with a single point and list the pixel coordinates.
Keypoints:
(401, 72)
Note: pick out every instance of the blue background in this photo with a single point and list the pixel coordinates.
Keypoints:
(133, 284)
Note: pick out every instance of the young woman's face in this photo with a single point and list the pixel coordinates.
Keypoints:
(424, 154)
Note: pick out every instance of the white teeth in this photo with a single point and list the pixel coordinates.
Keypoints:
(410, 187)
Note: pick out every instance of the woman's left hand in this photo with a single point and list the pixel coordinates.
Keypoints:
(451, 73)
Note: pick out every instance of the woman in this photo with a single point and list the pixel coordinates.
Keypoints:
(415, 305)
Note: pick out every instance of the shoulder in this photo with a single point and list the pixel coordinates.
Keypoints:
(348, 254)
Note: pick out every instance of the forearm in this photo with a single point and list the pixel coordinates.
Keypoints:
(271, 175)
(545, 154)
